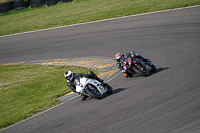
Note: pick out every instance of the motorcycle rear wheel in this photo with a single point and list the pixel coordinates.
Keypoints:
(94, 93)
(141, 72)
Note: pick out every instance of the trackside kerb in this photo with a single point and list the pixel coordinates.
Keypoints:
(106, 67)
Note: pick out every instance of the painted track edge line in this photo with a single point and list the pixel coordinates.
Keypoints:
(60, 103)
(38, 114)
(99, 21)
(52, 107)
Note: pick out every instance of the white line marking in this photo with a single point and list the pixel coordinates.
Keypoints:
(113, 77)
(75, 25)
(99, 21)
(53, 107)
(39, 113)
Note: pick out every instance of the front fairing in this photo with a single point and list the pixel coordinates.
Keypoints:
(140, 63)
(82, 83)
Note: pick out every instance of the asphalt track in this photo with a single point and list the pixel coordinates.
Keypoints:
(165, 102)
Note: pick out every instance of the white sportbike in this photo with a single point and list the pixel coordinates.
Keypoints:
(92, 87)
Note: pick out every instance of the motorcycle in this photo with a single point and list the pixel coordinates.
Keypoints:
(139, 66)
(92, 87)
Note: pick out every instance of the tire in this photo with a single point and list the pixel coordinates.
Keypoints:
(110, 90)
(94, 93)
(20, 4)
(153, 68)
(37, 3)
(51, 2)
(142, 73)
(5, 7)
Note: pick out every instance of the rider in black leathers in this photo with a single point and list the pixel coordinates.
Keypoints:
(72, 76)
(120, 58)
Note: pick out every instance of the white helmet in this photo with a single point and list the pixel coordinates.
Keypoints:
(69, 75)
(118, 56)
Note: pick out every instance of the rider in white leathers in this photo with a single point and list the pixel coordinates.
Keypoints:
(70, 76)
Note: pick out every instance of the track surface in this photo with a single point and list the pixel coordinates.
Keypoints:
(165, 102)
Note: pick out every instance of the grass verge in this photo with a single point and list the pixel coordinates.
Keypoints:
(80, 11)
(26, 90)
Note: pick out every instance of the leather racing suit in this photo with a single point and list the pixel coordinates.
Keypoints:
(125, 63)
(90, 74)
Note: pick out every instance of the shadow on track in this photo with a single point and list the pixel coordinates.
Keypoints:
(159, 70)
(118, 90)
(115, 91)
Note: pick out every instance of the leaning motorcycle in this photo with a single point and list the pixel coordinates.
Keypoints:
(140, 67)
(92, 87)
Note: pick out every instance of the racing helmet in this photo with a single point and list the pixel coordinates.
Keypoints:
(118, 56)
(69, 75)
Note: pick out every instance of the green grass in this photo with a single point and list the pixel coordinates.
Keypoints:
(26, 90)
(80, 11)
(3, 1)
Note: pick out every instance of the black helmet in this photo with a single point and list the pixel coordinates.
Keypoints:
(69, 75)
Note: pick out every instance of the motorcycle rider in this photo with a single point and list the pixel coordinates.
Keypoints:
(70, 76)
(127, 58)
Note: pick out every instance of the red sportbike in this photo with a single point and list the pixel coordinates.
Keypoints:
(138, 66)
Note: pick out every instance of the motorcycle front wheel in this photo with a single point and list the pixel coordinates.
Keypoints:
(153, 68)
(140, 70)
(94, 92)
(110, 90)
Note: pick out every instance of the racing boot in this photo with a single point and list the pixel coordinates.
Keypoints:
(83, 97)
(128, 75)
(102, 82)
(93, 75)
